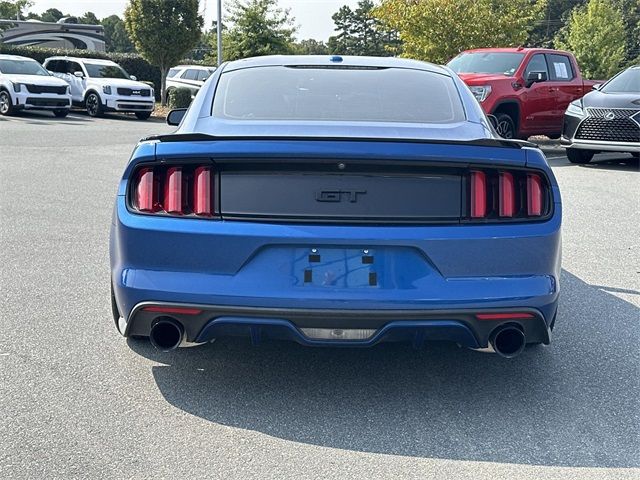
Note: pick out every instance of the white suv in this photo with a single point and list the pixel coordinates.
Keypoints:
(188, 76)
(24, 84)
(102, 86)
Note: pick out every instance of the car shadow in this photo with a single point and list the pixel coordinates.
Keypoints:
(606, 161)
(116, 116)
(40, 117)
(627, 163)
(570, 404)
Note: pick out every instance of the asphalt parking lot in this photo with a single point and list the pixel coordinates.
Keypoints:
(78, 401)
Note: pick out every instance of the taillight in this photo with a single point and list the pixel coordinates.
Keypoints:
(146, 192)
(202, 191)
(175, 190)
(506, 195)
(501, 195)
(478, 194)
(534, 195)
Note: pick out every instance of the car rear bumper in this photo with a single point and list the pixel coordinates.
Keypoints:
(338, 327)
(248, 277)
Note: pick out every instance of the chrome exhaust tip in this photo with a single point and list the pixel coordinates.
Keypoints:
(166, 334)
(508, 341)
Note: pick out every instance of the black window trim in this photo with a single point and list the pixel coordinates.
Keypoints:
(78, 64)
(546, 62)
(549, 62)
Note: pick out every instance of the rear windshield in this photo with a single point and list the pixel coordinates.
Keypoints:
(627, 82)
(22, 67)
(173, 72)
(498, 63)
(337, 94)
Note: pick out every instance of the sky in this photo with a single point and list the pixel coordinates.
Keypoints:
(313, 17)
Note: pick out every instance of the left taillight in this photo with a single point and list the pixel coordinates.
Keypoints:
(175, 190)
(146, 190)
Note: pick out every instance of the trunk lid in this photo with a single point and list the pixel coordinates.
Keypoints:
(342, 180)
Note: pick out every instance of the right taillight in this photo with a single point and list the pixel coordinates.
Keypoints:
(179, 190)
(501, 195)
(534, 195)
(506, 195)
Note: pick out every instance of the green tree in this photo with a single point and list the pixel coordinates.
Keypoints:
(205, 49)
(436, 30)
(209, 42)
(258, 27)
(556, 15)
(311, 46)
(51, 15)
(595, 34)
(163, 31)
(115, 35)
(12, 9)
(630, 10)
(361, 33)
(344, 41)
(89, 18)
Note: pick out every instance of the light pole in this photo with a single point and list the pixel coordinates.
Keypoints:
(219, 32)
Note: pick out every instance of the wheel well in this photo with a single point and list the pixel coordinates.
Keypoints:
(92, 91)
(511, 109)
(5, 89)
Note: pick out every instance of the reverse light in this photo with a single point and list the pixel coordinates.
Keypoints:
(478, 194)
(481, 93)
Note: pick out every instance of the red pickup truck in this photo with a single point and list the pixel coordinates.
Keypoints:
(527, 89)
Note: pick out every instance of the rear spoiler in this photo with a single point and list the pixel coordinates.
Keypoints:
(204, 137)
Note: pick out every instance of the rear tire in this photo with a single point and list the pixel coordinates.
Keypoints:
(143, 115)
(6, 105)
(579, 156)
(61, 113)
(93, 105)
(506, 126)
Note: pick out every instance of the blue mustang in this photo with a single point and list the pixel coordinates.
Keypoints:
(336, 201)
